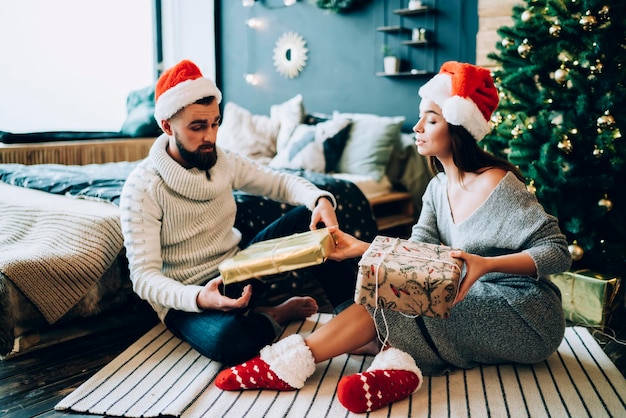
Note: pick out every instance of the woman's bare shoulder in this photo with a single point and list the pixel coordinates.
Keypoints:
(490, 178)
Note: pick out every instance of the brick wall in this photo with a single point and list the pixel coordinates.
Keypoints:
(492, 14)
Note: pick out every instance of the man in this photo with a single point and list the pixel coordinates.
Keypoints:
(178, 214)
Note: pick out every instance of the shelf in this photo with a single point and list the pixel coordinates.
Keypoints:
(406, 12)
(394, 221)
(393, 29)
(393, 212)
(412, 73)
(422, 38)
(416, 43)
(393, 196)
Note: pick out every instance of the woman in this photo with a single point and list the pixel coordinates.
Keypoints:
(506, 309)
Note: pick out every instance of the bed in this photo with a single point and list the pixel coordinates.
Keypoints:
(62, 250)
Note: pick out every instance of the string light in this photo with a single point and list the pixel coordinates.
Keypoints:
(254, 23)
(252, 79)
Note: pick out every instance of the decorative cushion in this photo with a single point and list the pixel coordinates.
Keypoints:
(140, 120)
(370, 143)
(288, 115)
(251, 135)
(314, 147)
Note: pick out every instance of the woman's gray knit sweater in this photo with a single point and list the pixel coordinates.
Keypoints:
(504, 317)
(178, 223)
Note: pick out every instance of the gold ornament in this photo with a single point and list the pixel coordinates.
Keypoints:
(561, 74)
(517, 131)
(576, 251)
(507, 42)
(597, 152)
(527, 15)
(596, 68)
(565, 167)
(555, 30)
(605, 203)
(588, 22)
(531, 187)
(605, 121)
(524, 49)
(617, 134)
(604, 15)
(565, 145)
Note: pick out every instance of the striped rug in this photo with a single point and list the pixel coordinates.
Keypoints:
(160, 375)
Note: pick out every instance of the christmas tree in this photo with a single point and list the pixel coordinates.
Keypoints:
(562, 79)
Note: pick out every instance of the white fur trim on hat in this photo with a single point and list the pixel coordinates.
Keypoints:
(438, 89)
(395, 359)
(456, 110)
(291, 360)
(183, 94)
(464, 112)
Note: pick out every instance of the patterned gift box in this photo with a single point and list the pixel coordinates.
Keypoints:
(411, 277)
(588, 297)
(278, 255)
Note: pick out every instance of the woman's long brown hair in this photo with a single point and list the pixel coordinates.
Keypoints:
(469, 157)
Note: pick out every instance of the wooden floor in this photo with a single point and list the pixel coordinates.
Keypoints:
(31, 384)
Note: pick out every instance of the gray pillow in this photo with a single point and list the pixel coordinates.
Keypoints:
(313, 147)
(370, 143)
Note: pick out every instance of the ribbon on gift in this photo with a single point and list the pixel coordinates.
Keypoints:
(588, 297)
(390, 251)
(278, 255)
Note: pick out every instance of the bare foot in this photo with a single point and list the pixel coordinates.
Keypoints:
(297, 307)
(371, 348)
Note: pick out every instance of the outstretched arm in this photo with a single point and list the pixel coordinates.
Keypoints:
(346, 246)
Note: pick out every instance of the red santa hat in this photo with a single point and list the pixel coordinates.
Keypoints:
(180, 86)
(466, 95)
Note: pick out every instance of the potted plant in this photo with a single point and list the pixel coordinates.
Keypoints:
(391, 63)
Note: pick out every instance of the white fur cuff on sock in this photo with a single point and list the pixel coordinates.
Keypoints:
(291, 360)
(394, 359)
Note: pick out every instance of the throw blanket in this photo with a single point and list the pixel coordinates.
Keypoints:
(64, 243)
(105, 181)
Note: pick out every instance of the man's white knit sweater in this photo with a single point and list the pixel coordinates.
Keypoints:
(178, 223)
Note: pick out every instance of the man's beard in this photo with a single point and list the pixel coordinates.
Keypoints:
(202, 160)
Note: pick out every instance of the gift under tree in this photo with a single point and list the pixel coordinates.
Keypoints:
(562, 77)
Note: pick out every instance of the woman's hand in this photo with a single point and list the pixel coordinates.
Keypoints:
(475, 267)
(211, 298)
(346, 246)
(323, 213)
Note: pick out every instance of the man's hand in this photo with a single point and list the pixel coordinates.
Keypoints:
(324, 213)
(211, 298)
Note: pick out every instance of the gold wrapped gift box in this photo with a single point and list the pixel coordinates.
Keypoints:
(588, 297)
(279, 255)
(410, 277)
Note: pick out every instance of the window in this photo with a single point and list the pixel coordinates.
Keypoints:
(68, 65)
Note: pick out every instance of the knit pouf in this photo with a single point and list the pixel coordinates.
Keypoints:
(371, 390)
(253, 374)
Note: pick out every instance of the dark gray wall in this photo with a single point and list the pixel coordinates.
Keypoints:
(344, 54)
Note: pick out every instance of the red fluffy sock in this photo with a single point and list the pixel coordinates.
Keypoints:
(371, 390)
(253, 374)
